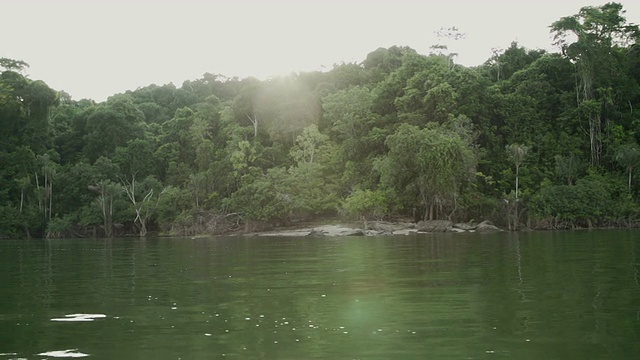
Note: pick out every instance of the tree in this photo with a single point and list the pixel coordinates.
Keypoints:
(430, 163)
(568, 167)
(106, 191)
(45, 190)
(517, 153)
(591, 39)
(629, 157)
(13, 65)
(110, 125)
(286, 106)
(506, 62)
(445, 37)
(308, 145)
(136, 158)
(366, 205)
(144, 198)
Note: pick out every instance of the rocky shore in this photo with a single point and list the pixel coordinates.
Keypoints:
(377, 228)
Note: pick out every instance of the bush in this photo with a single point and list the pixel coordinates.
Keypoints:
(59, 227)
(590, 201)
(367, 204)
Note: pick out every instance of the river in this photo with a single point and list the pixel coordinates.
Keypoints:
(529, 295)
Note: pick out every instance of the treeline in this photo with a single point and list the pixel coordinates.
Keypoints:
(536, 139)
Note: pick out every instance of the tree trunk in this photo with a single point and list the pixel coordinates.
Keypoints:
(517, 179)
(50, 198)
(143, 228)
(595, 135)
(515, 215)
(254, 122)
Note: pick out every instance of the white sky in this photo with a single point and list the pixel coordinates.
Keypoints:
(96, 48)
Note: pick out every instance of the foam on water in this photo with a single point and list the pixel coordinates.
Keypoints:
(71, 353)
(80, 317)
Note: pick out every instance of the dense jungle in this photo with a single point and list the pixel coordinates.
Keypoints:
(529, 139)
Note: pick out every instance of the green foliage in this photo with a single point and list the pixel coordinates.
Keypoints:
(568, 167)
(309, 145)
(431, 164)
(11, 223)
(282, 195)
(59, 227)
(264, 197)
(399, 133)
(366, 204)
(629, 157)
(574, 204)
(312, 191)
(593, 200)
(517, 153)
(593, 38)
(174, 201)
(111, 125)
(136, 158)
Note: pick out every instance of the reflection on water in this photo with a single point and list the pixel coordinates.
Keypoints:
(526, 295)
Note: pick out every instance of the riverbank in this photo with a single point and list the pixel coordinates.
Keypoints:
(378, 228)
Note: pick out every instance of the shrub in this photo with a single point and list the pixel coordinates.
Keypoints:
(367, 204)
(587, 202)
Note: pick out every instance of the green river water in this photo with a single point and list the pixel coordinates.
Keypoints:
(535, 295)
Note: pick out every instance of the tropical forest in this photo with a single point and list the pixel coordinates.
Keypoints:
(530, 139)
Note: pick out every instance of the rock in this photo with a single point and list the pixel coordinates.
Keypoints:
(297, 232)
(405, 232)
(335, 230)
(434, 225)
(487, 227)
(353, 232)
(456, 230)
(316, 232)
(387, 227)
(465, 226)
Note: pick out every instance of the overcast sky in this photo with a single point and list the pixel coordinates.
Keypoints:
(96, 48)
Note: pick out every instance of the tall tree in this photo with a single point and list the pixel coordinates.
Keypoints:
(592, 39)
(629, 157)
(106, 191)
(518, 153)
(144, 197)
(431, 163)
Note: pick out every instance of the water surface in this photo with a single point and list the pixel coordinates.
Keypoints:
(538, 295)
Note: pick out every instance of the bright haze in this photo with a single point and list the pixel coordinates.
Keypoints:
(97, 48)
